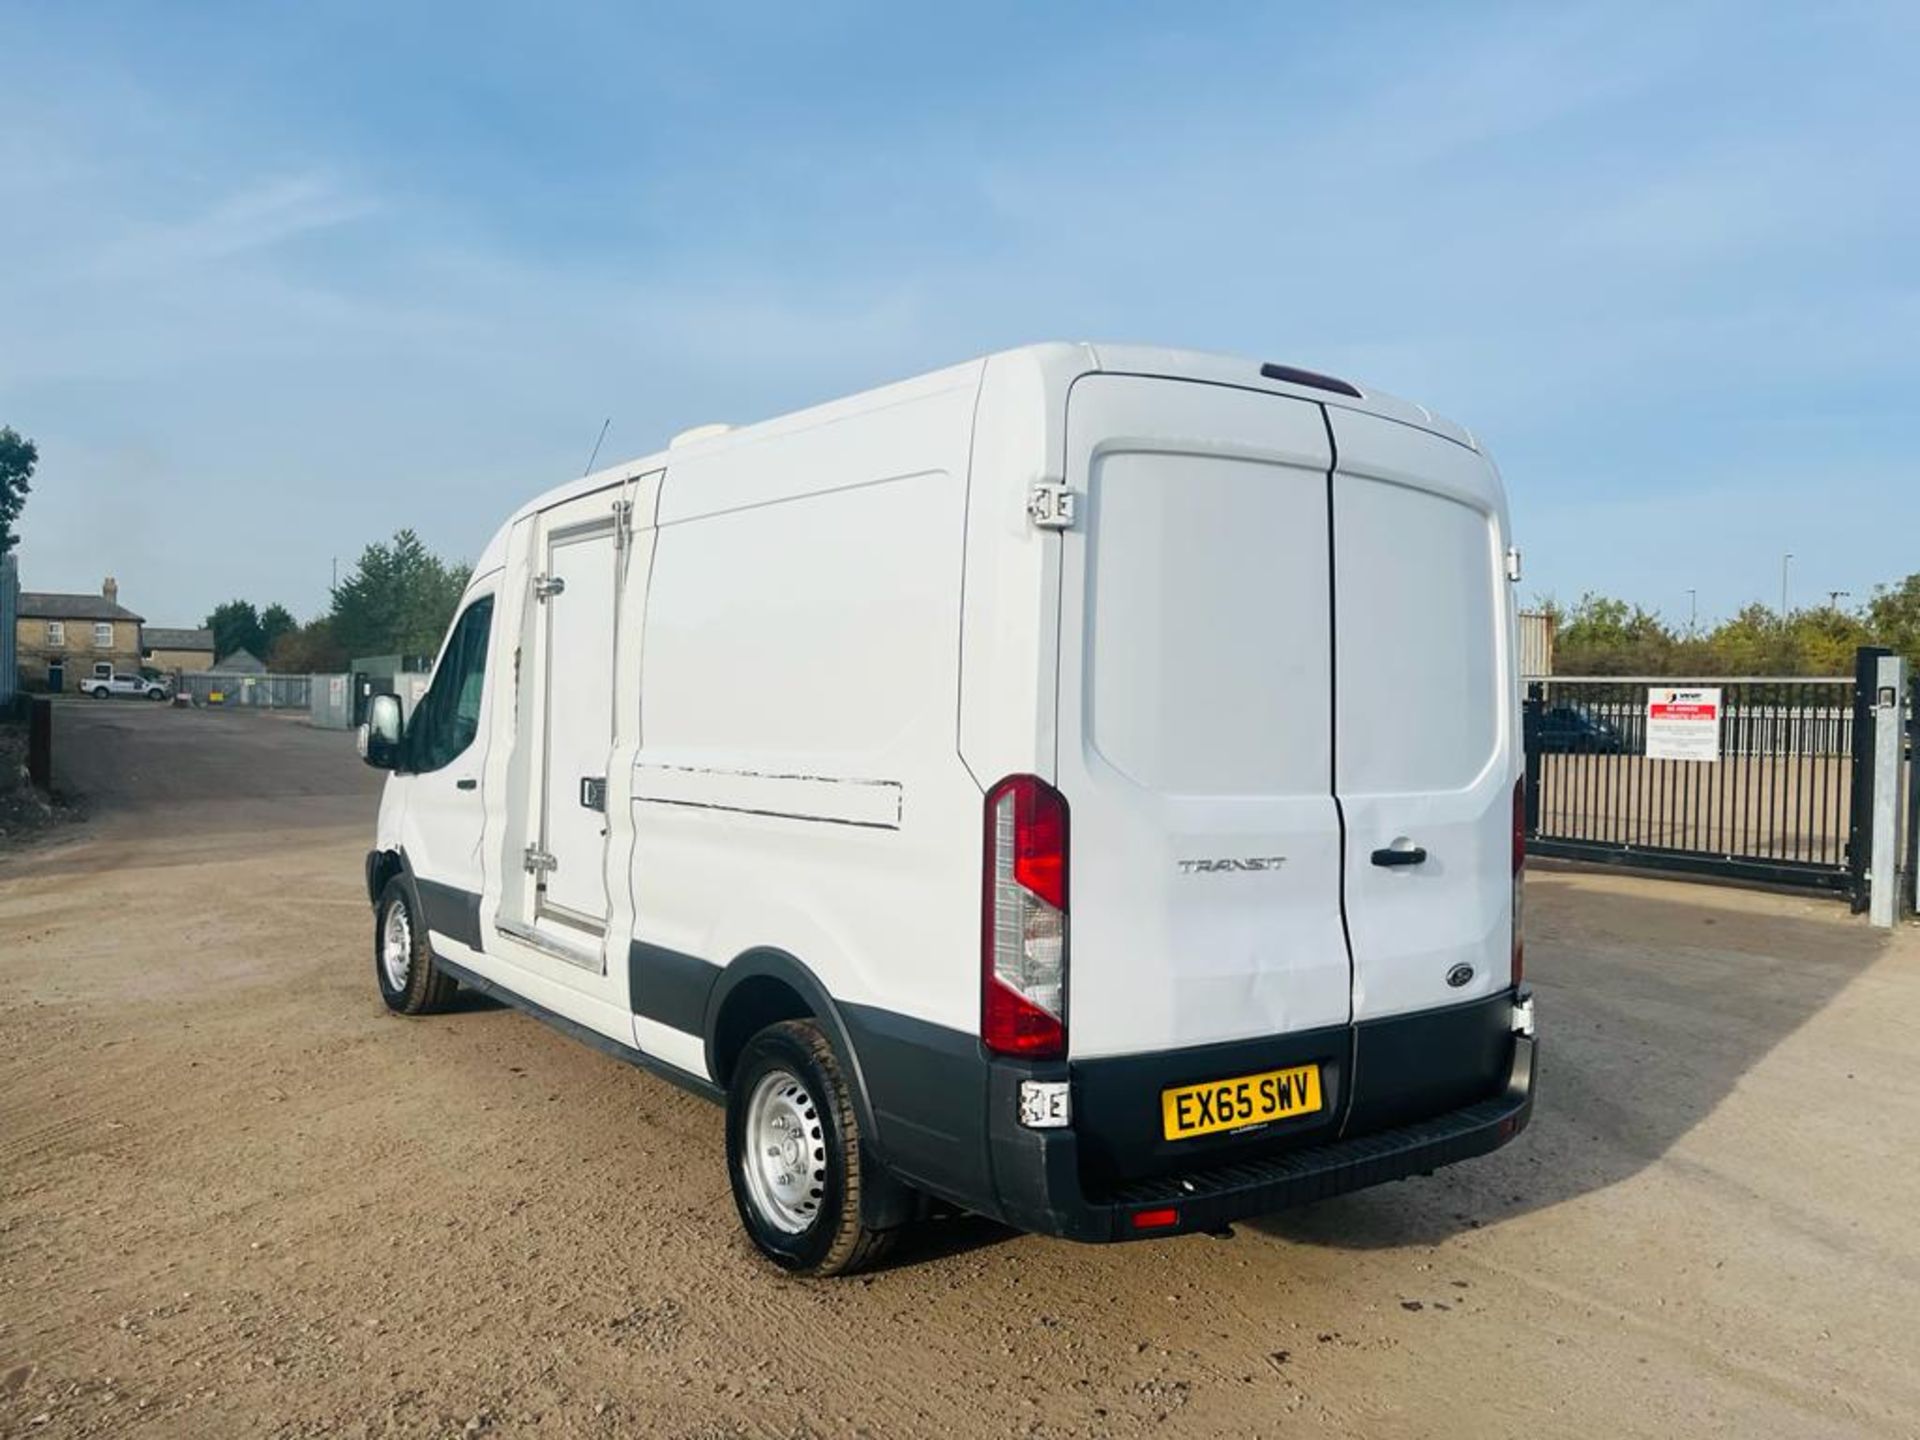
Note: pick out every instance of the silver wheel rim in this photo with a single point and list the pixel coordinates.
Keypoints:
(784, 1157)
(396, 947)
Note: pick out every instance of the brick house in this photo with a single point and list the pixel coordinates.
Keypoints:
(64, 639)
(183, 652)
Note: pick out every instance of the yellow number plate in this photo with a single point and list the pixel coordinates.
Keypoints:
(1189, 1110)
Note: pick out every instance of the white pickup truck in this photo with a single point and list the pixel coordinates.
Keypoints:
(105, 687)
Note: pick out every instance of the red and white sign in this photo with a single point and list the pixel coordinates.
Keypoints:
(1683, 724)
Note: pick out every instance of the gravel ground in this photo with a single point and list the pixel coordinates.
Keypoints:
(237, 1198)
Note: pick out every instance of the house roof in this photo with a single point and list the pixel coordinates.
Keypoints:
(241, 662)
(161, 638)
(46, 605)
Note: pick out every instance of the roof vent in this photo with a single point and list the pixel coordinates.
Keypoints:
(698, 432)
(1291, 376)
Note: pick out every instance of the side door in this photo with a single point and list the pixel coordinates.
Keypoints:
(442, 756)
(581, 561)
(1426, 734)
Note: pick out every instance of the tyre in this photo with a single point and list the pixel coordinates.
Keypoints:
(793, 1154)
(99, 692)
(409, 981)
(156, 694)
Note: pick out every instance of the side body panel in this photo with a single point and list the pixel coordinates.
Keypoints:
(796, 787)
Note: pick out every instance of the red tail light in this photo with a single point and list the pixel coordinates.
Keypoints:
(1519, 875)
(1023, 927)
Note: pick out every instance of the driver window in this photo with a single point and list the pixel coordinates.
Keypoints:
(448, 716)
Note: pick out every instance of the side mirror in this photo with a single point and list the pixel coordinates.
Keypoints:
(380, 736)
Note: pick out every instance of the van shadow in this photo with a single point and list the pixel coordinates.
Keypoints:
(1654, 999)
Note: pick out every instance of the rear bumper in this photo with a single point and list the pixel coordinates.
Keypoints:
(1039, 1183)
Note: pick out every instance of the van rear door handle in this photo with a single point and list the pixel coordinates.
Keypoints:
(1391, 855)
(466, 784)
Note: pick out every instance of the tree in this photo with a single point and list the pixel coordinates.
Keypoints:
(397, 600)
(18, 456)
(236, 626)
(1605, 636)
(309, 649)
(1893, 615)
(276, 620)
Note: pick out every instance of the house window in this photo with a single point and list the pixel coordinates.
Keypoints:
(103, 636)
(56, 634)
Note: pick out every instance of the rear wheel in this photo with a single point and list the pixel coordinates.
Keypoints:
(793, 1154)
(410, 982)
(99, 692)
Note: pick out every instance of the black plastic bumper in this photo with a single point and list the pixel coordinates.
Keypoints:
(1037, 1173)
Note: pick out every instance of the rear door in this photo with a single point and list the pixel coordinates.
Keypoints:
(1195, 719)
(1427, 716)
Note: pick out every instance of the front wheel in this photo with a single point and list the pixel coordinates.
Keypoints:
(99, 692)
(793, 1154)
(410, 982)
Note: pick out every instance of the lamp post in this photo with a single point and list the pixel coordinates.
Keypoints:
(1785, 560)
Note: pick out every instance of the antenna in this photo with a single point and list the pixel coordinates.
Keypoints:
(596, 445)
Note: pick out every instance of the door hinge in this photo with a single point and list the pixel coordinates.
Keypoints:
(622, 524)
(1513, 563)
(1050, 507)
(545, 587)
(537, 862)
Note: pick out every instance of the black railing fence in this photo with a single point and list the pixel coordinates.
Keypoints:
(1770, 798)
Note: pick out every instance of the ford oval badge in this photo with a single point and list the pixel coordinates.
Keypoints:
(1459, 975)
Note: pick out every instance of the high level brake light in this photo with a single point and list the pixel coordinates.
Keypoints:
(1023, 930)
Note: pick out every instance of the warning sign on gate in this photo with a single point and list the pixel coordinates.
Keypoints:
(1683, 724)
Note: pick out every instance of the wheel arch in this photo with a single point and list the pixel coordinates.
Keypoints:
(761, 987)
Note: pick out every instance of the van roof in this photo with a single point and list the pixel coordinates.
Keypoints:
(1052, 363)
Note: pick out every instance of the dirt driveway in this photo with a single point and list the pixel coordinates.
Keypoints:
(237, 1198)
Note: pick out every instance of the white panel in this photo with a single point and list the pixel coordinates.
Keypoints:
(1420, 702)
(1208, 646)
(815, 637)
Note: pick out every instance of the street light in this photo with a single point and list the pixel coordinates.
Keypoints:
(1784, 561)
(1834, 596)
(1693, 611)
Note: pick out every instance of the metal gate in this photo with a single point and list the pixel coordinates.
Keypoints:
(1772, 799)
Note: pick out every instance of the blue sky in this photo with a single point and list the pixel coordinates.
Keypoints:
(278, 280)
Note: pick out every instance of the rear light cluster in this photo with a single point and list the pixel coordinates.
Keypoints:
(1023, 932)
(1519, 876)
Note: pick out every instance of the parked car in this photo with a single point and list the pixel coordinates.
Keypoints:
(776, 762)
(105, 687)
(1574, 730)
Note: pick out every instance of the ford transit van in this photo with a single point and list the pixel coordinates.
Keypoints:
(1080, 786)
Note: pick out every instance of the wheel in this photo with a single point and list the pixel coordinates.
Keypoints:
(99, 692)
(793, 1154)
(156, 694)
(410, 982)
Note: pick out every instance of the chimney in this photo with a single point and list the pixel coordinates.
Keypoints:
(110, 588)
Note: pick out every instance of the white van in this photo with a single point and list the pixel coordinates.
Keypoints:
(1080, 786)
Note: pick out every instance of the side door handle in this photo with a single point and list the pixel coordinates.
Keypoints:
(468, 784)
(1390, 855)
